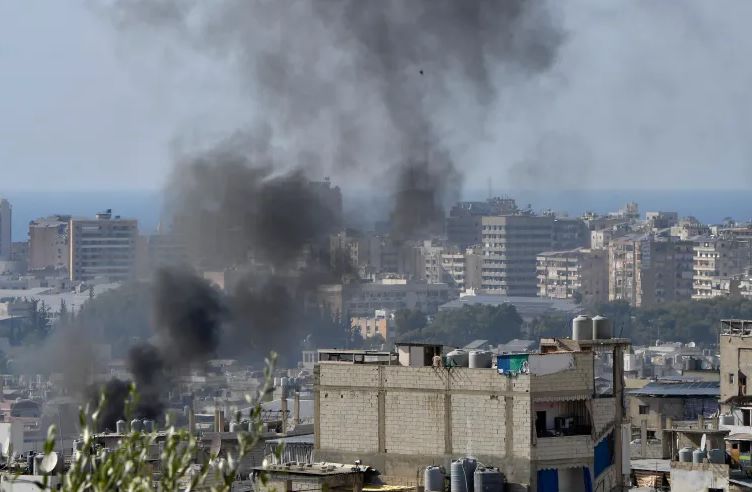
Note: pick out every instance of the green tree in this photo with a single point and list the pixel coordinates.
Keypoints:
(408, 320)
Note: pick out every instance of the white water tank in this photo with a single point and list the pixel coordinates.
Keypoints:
(602, 328)
(458, 358)
(582, 328)
(480, 359)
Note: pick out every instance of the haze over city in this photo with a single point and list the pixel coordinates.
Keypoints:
(375, 246)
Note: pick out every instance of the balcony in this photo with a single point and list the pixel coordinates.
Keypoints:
(563, 447)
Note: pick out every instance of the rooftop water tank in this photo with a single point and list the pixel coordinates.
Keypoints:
(136, 425)
(480, 359)
(121, 427)
(698, 456)
(148, 425)
(234, 426)
(602, 328)
(717, 456)
(462, 475)
(582, 328)
(488, 480)
(457, 358)
(685, 455)
(433, 479)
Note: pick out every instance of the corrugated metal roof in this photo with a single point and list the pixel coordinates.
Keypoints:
(708, 389)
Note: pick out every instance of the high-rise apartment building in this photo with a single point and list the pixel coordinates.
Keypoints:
(102, 247)
(464, 225)
(6, 212)
(646, 270)
(511, 244)
(463, 270)
(48, 243)
(569, 274)
(716, 259)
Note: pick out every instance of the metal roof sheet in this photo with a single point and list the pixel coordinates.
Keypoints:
(708, 389)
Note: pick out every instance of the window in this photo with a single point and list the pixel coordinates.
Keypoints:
(731, 378)
(644, 409)
(746, 414)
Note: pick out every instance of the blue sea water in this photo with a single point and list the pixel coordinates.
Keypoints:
(709, 206)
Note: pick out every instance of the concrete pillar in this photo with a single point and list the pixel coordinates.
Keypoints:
(296, 409)
(283, 412)
(644, 438)
(701, 421)
(191, 420)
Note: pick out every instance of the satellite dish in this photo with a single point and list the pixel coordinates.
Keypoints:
(704, 442)
(49, 462)
(215, 446)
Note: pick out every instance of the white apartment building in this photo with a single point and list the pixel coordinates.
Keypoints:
(102, 247)
(715, 261)
(511, 244)
(578, 272)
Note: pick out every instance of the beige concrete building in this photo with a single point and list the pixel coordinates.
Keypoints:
(362, 299)
(511, 244)
(463, 270)
(646, 270)
(102, 247)
(370, 326)
(716, 260)
(569, 274)
(48, 243)
(541, 418)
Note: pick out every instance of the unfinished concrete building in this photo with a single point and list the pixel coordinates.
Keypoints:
(553, 418)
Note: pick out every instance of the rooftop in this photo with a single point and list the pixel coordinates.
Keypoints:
(709, 389)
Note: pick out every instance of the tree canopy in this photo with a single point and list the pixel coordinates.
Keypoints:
(682, 321)
(458, 327)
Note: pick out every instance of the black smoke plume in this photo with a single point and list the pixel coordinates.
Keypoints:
(117, 393)
(385, 92)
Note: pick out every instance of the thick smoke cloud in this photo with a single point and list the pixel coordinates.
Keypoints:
(357, 89)
(370, 90)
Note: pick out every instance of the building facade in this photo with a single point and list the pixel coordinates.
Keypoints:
(511, 244)
(646, 270)
(48, 243)
(361, 300)
(6, 228)
(463, 270)
(543, 427)
(716, 260)
(579, 273)
(102, 247)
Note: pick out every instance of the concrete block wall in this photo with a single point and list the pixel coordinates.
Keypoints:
(563, 448)
(414, 422)
(522, 427)
(478, 424)
(348, 420)
(604, 410)
(349, 375)
(576, 380)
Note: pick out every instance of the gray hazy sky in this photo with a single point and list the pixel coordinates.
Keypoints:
(642, 95)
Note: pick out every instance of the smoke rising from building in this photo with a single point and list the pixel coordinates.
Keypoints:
(364, 90)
